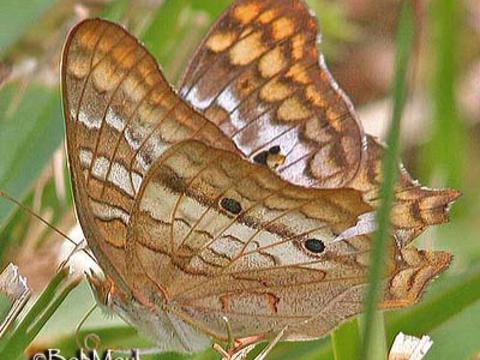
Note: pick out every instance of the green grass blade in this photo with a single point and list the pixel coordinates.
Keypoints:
(213, 8)
(16, 17)
(36, 317)
(37, 325)
(390, 173)
(437, 309)
(457, 338)
(14, 295)
(116, 10)
(448, 157)
(43, 300)
(31, 129)
(176, 29)
(164, 30)
(346, 341)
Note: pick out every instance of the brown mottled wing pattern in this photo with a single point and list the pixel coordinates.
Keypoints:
(121, 115)
(241, 243)
(259, 76)
(416, 206)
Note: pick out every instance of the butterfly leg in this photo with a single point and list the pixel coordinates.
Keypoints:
(236, 349)
(219, 349)
(78, 328)
(239, 354)
(241, 348)
(230, 342)
(271, 344)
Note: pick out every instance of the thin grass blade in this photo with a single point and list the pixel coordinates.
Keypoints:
(405, 39)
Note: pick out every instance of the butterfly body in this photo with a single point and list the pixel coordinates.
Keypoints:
(248, 222)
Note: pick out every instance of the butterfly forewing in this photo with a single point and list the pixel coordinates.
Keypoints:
(121, 115)
(259, 76)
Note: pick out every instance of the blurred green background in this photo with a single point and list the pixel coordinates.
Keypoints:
(440, 133)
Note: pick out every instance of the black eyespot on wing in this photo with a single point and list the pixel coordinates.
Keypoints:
(314, 245)
(261, 158)
(274, 150)
(231, 205)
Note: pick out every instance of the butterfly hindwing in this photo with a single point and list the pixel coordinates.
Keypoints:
(215, 236)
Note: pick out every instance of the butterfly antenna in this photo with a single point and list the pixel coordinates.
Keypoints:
(93, 336)
(45, 222)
